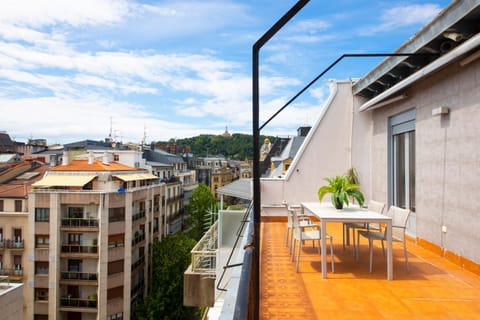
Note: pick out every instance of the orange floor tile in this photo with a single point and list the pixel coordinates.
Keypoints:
(434, 289)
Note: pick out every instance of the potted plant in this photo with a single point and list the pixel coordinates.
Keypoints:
(340, 189)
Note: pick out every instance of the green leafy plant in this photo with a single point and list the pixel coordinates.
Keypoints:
(340, 189)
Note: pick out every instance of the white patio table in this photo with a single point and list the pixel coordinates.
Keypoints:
(325, 212)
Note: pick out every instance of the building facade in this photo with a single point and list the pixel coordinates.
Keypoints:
(92, 224)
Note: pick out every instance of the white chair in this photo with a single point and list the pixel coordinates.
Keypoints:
(399, 224)
(300, 235)
(372, 206)
(303, 220)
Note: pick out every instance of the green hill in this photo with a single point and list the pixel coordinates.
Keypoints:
(237, 146)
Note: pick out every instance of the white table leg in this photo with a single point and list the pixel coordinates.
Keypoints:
(389, 251)
(324, 248)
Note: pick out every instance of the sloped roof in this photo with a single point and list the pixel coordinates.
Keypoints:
(161, 156)
(6, 144)
(19, 187)
(87, 144)
(7, 157)
(241, 188)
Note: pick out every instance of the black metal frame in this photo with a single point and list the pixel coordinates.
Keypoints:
(256, 147)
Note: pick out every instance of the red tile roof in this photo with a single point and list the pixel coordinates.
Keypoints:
(19, 188)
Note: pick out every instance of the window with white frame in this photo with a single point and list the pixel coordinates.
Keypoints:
(402, 160)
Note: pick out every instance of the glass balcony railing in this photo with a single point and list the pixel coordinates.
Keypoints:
(73, 275)
(79, 222)
(73, 248)
(78, 303)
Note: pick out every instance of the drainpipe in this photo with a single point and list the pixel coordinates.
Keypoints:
(256, 147)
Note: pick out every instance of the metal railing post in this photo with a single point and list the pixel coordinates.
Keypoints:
(256, 146)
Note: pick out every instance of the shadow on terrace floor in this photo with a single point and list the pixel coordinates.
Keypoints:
(434, 289)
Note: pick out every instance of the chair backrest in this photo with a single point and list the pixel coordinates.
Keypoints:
(399, 221)
(290, 217)
(376, 206)
(295, 223)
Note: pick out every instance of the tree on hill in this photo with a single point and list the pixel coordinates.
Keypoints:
(237, 147)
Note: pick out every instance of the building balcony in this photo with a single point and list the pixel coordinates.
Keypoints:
(138, 215)
(78, 249)
(13, 273)
(139, 238)
(12, 244)
(199, 278)
(137, 289)
(138, 263)
(79, 276)
(76, 223)
(78, 304)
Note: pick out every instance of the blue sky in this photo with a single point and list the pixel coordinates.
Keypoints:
(73, 70)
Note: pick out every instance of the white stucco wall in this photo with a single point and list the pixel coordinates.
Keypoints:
(447, 157)
(325, 152)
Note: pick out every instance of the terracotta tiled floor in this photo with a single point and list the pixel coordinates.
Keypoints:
(434, 289)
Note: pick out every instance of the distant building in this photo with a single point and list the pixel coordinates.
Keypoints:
(16, 179)
(226, 133)
(6, 143)
(220, 177)
(278, 157)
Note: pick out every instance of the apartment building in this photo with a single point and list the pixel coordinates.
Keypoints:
(91, 226)
(16, 178)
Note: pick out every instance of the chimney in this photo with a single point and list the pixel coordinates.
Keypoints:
(303, 131)
(105, 158)
(91, 158)
(65, 158)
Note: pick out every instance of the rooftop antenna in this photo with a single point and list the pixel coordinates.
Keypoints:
(111, 128)
(144, 141)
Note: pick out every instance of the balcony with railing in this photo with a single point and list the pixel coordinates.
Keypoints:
(15, 272)
(138, 215)
(138, 263)
(137, 289)
(90, 278)
(78, 304)
(199, 278)
(79, 249)
(138, 238)
(16, 244)
(89, 223)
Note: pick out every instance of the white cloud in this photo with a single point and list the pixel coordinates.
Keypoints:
(310, 26)
(402, 16)
(39, 13)
(82, 118)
